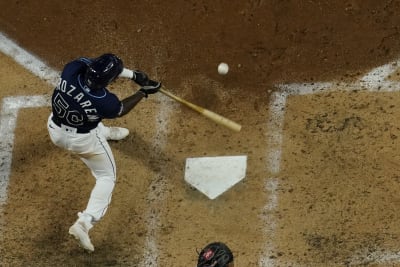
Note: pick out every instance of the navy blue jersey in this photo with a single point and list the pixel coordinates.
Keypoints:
(75, 105)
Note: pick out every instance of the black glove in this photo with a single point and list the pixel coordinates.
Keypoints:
(151, 87)
(140, 78)
(215, 254)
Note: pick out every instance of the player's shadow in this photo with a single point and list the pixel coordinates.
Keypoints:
(150, 154)
(66, 182)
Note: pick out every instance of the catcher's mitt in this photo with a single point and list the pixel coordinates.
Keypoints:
(215, 254)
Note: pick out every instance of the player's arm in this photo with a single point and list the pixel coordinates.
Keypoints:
(130, 102)
(137, 76)
(147, 87)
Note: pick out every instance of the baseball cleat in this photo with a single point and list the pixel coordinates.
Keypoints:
(81, 233)
(117, 133)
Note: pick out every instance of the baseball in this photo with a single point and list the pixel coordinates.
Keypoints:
(223, 68)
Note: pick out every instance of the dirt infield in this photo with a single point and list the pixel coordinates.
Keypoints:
(328, 198)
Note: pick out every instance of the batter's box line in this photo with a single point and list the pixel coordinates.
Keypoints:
(29, 61)
(11, 105)
(8, 121)
(374, 81)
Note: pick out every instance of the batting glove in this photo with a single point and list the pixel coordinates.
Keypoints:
(140, 78)
(151, 87)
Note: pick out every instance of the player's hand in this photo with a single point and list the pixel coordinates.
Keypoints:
(151, 87)
(140, 78)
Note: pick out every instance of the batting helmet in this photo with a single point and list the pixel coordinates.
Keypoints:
(215, 254)
(102, 71)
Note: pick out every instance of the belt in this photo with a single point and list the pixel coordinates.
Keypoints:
(78, 130)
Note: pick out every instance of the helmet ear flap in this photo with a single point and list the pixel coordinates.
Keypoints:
(102, 71)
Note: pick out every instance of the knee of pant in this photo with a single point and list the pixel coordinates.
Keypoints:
(106, 175)
(106, 180)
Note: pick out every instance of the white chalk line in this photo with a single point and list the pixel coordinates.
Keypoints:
(28, 60)
(11, 106)
(158, 190)
(374, 81)
(8, 121)
(379, 256)
(268, 217)
(156, 194)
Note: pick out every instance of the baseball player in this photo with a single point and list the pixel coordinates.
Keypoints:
(215, 254)
(79, 103)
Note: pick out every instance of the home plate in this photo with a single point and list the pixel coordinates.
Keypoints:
(214, 175)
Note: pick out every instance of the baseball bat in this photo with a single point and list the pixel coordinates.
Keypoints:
(205, 112)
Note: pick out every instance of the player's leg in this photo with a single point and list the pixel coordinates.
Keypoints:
(102, 165)
(103, 169)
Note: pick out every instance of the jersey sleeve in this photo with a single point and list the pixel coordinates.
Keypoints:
(111, 107)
